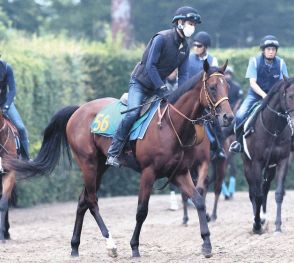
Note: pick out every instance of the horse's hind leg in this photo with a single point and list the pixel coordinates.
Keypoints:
(76, 237)
(88, 199)
(282, 170)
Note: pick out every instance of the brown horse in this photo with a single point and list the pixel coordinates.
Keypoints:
(7, 147)
(267, 148)
(167, 150)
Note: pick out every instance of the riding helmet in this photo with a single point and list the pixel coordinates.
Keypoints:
(187, 13)
(269, 41)
(203, 38)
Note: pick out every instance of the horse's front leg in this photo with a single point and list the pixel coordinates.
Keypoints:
(185, 209)
(8, 182)
(197, 194)
(3, 217)
(146, 184)
(253, 174)
(282, 170)
(270, 174)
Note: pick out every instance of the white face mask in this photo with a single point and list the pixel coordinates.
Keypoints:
(188, 30)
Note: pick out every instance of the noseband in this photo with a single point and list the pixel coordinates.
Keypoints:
(285, 114)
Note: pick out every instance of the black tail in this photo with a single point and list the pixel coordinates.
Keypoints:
(54, 142)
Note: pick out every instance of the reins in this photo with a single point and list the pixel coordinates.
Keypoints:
(212, 110)
(212, 113)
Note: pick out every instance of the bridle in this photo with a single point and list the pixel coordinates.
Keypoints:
(212, 105)
(212, 110)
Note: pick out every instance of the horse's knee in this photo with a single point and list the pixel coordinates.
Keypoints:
(3, 204)
(279, 197)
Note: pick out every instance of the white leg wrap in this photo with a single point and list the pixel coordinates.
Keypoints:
(111, 246)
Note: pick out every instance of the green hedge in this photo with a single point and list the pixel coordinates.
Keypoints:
(52, 73)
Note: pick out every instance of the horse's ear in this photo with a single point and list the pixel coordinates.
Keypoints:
(223, 68)
(206, 66)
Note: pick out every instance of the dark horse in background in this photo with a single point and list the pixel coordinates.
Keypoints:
(268, 145)
(167, 150)
(199, 172)
(8, 147)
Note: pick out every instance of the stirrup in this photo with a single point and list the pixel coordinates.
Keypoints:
(235, 147)
(113, 161)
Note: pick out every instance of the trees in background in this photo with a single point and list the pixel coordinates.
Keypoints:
(231, 23)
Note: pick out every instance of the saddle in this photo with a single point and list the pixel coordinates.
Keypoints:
(251, 118)
(147, 103)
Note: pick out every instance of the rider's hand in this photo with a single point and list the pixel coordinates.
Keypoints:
(162, 92)
(5, 109)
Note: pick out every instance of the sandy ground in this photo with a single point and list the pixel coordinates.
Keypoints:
(43, 233)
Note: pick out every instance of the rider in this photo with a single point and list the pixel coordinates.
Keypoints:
(166, 51)
(201, 43)
(7, 94)
(263, 72)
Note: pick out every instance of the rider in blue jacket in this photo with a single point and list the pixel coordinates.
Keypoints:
(7, 94)
(166, 51)
(263, 72)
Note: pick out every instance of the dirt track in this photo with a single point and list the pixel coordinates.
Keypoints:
(43, 233)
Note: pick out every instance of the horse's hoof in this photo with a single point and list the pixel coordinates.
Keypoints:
(112, 252)
(185, 222)
(74, 253)
(206, 251)
(7, 236)
(135, 253)
(212, 218)
(278, 232)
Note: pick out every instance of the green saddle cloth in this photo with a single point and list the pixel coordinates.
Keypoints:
(108, 119)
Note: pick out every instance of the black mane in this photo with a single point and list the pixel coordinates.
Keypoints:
(189, 84)
(274, 90)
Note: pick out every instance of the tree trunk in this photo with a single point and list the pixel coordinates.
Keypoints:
(121, 21)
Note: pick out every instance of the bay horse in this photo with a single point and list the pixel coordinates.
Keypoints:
(267, 148)
(167, 150)
(8, 147)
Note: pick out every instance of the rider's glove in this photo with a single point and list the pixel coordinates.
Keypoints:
(5, 109)
(162, 92)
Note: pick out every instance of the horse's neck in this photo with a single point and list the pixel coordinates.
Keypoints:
(189, 106)
(271, 120)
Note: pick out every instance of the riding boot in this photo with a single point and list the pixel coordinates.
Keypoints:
(118, 142)
(237, 146)
(24, 149)
(219, 141)
(114, 152)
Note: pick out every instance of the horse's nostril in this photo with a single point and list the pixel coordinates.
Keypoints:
(228, 118)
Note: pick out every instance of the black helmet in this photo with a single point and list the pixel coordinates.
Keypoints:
(269, 41)
(187, 13)
(203, 38)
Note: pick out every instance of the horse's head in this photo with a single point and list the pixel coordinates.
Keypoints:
(214, 93)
